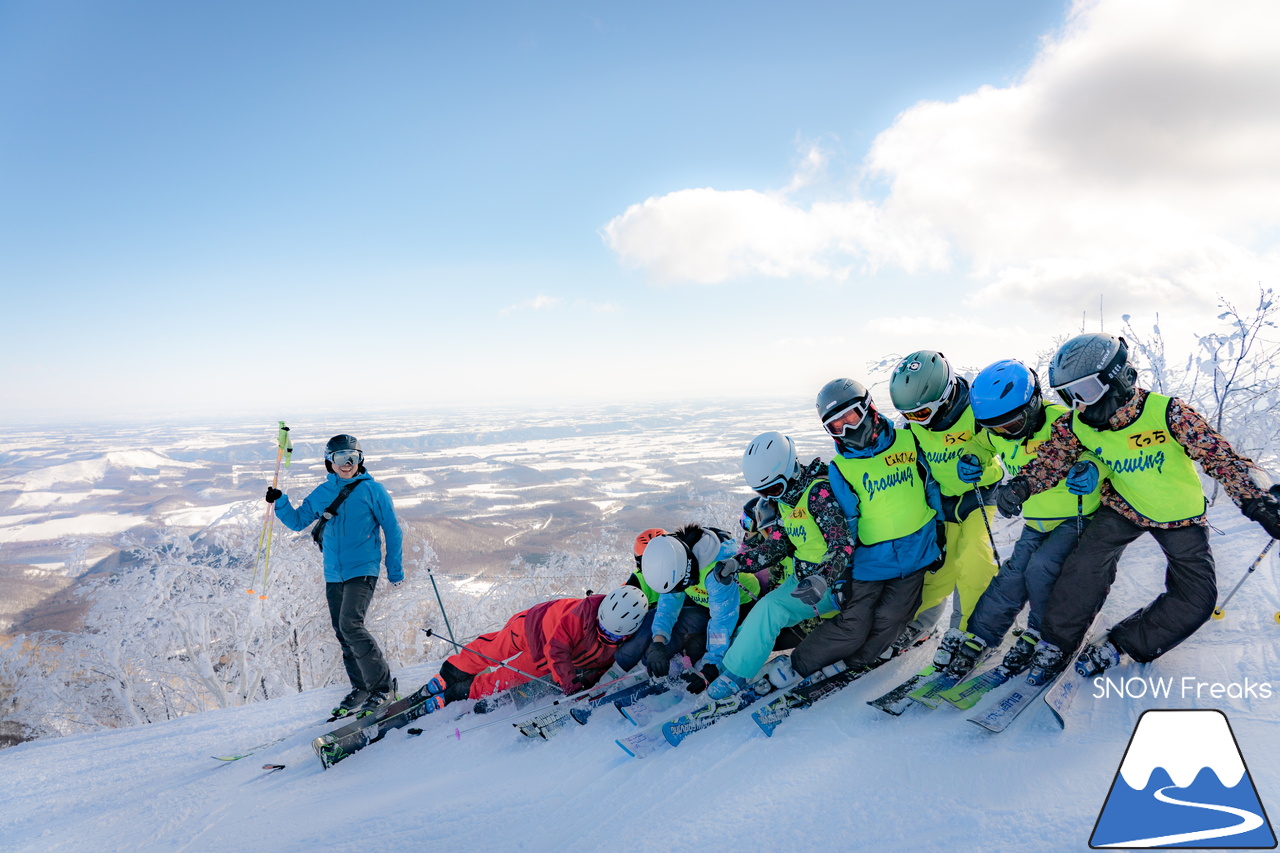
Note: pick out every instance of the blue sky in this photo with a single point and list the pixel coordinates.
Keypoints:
(270, 206)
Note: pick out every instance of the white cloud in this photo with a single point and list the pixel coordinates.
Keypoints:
(537, 303)
(1138, 155)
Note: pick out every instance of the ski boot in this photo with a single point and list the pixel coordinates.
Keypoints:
(951, 642)
(1097, 658)
(776, 675)
(1019, 655)
(350, 703)
(966, 656)
(1046, 662)
(376, 699)
(726, 684)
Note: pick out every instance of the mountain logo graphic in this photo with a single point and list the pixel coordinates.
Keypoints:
(1183, 783)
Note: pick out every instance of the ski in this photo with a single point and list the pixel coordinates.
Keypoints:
(1016, 699)
(644, 743)
(898, 699)
(548, 723)
(1064, 690)
(968, 693)
(349, 739)
(932, 693)
(644, 709)
(815, 688)
(801, 696)
(678, 728)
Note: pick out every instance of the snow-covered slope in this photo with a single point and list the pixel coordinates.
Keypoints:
(837, 776)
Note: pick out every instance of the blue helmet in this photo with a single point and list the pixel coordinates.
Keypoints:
(1005, 397)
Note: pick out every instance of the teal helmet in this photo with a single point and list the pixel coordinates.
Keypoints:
(922, 385)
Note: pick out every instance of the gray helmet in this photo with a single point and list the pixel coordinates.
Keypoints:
(1092, 375)
(770, 461)
(922, 384)
(843, 400)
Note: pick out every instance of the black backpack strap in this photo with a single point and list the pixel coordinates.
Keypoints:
(332, 510)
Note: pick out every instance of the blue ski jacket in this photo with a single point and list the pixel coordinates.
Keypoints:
(351, 539)
(895, 558)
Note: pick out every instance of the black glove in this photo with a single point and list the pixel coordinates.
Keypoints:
(727, 570)
(810, 590)
(273, 494)
(1011, 495)
(1266, 511)
(696, 680)
(657, 660)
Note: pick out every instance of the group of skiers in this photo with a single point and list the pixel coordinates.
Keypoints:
(845, 563)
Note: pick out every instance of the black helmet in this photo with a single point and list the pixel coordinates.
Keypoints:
(1092, 375)
(342, 444)
(848, 413)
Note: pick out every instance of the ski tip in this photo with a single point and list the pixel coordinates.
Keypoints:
(626, 749)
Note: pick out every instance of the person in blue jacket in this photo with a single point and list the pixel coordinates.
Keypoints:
(352, 548)
(893, 508)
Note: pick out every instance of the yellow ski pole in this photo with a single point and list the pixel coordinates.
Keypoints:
(284, 452)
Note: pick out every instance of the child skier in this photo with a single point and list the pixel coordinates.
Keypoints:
(935, 403)
(1148, 442)
(802, 523)
(1008, 405)
(893, 509)
(701, 598)
(570, 640)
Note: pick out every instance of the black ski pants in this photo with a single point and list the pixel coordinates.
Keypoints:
(1191, 588)
(873, 615)
(348, 602)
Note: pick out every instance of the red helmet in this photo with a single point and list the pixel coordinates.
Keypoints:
(644, 537)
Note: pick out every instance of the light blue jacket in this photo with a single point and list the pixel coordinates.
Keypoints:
(351, 539)
(895, 558)
(722, 598)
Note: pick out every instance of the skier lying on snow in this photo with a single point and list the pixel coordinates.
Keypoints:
(572, 640)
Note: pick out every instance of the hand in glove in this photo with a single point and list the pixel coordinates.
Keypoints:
(657, 661)
(273, 494)
(1011, 495)
(727, 570)
(810, 590)
(1266, 511)
(1082, 479)
(696, 680)
(969, 468)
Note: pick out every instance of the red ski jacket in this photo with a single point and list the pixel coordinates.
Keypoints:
(562, 637)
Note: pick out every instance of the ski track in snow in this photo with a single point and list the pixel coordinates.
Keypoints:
(839, 775)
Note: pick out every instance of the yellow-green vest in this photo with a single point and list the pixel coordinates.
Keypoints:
(941, 450)
(891, 496)
(1052, 505)
(1148, 467)
(801, 529)
(649, 592)
(748, 584)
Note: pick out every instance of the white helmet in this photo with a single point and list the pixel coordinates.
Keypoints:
(666, 564)
(622, 611)
(769, 462)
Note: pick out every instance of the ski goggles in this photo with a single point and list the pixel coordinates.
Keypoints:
(609, 638)
(922, 414)
(1084, 391)
(1012, 425)
(342, 458)
(774, 488)
(847, 418)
